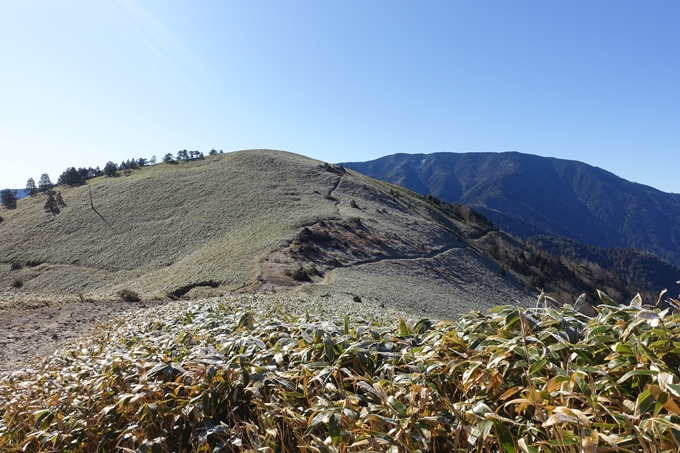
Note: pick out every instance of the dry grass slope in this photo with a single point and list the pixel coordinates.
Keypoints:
(234, 222)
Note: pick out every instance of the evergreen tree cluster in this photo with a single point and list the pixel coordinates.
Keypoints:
(73, 177)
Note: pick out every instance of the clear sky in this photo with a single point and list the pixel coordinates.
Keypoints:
(85, 82)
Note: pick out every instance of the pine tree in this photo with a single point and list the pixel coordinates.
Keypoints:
(44, 183)
(31, 188)
(111, 169)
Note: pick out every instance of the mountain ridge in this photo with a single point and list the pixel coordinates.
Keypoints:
(528, 195)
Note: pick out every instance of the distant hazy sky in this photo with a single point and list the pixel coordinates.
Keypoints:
(85, 82)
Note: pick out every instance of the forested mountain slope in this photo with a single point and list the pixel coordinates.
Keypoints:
(528, 195)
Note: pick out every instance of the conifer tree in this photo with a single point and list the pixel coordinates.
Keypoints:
(31, 188)
(44, 183)
(71, 177)
(111, 169)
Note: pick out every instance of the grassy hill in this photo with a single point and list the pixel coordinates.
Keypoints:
(248, 221)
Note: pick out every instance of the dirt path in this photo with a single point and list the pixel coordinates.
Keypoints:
(37, 332)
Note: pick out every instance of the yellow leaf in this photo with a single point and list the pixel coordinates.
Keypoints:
(666, 399)
(511, 391)
(585, 421)
(554, 384)
(559, 418)
(589, 441)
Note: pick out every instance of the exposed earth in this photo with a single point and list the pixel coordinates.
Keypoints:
(28, 333)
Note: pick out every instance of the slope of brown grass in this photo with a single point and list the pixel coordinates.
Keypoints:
(238, 222)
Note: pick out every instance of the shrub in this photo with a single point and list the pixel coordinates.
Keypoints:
(17, 283)
(9, 198)
(128, 295)
(15, 265)
(300, 275)
(51, 205)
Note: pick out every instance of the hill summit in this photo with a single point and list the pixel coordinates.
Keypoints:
(257, 220)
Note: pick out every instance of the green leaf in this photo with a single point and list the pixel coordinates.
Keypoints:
(321, 417)
(109, 434)
(398, 407)
(423, 326)
(480, 432)
(644, 402)
(44, 419)
(403, 328)
(537, 366)
(504, 437)
(674, 388)
(631, 373)
(637, 301)
(334, 425)
(329, 350)
(606, 300)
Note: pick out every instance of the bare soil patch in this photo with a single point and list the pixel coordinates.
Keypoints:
(27, 334)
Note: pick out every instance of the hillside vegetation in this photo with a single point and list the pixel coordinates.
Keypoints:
(527, 195)
(639, 270)
(248, 221)
(274, 374)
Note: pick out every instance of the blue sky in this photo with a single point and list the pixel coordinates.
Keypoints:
(85, 82)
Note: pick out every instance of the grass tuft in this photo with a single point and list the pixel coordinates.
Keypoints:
(128, 295)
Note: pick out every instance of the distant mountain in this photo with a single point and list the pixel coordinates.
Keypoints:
(529, 195)
(21, 193)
